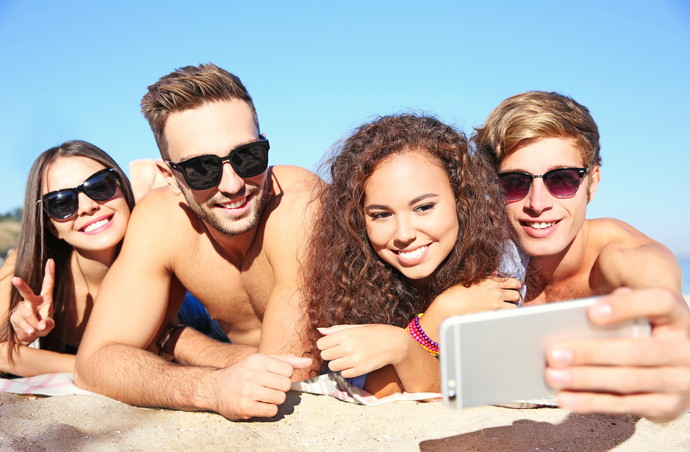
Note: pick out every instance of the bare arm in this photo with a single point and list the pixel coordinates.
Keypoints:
(637, 261)
(645, 376)
(28, 361)
(132, 305)
(192, 347)
(285, 321)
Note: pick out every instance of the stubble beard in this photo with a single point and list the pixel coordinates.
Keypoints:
(233, 226)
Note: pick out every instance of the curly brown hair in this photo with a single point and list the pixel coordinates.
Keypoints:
(345, 280)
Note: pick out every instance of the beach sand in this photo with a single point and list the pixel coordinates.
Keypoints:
(312, 422)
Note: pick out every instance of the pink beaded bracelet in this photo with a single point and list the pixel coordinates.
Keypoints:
(416, 331)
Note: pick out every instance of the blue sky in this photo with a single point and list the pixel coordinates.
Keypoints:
(316, 70)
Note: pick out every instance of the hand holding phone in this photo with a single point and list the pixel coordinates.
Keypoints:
(498, 356)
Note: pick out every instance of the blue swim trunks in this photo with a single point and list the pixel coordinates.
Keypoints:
(194, 314)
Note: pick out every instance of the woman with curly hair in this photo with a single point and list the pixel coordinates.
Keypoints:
(412, 222)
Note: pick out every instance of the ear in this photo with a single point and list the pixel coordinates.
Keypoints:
(167, 173)
(594, 178)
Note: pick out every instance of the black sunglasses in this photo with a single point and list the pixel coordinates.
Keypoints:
(100, 186)
(561, 182)
(205, 171)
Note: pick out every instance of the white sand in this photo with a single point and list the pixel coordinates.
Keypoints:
(306, 421)
(310, 422)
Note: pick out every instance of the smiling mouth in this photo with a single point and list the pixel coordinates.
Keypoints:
(235, 204)
(97, 224)
(412, 254)
(538, 224)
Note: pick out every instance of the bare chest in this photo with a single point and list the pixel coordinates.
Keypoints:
(235, 293)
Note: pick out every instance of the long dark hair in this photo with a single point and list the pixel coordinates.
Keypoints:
(345, 280)
(37, 244)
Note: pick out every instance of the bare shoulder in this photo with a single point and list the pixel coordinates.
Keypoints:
(628, 257)
(612, 231)
(160, 222)
(294, 180)
(293, 190)
(289, 212)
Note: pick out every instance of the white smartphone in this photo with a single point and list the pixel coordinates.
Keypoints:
(498, 356)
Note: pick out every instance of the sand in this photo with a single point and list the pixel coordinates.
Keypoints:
(313, 422)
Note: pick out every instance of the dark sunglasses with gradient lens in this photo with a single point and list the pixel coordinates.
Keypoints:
(100, 186)
(561, 182)
(205, 171)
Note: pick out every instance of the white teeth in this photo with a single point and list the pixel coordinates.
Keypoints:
(96, 225)
(542, 224)
(234, 205)
(412, 254)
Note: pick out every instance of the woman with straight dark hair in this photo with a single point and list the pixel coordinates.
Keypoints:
(76, 209)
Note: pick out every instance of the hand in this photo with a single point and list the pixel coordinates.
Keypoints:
(356, 350)
(255, 385)
(644, 376)
(488, 295)
(33, 316)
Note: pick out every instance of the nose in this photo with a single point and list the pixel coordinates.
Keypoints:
(405, 232)
(86, 205)
(230, 182)
(538, 199)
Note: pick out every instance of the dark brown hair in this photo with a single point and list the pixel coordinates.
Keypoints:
(345, 280)
(187, 88)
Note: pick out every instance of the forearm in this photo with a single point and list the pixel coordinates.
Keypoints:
(137, 377)
(413, 369)
(194, 348)
(28, 361)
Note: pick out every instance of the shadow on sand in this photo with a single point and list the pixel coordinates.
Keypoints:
(593, 433)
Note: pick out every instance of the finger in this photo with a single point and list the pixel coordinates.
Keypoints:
(330, 354)
(336, 328)
(24, 290)
(660, 306)
(48, 278)
(620, 380)
(511, 283)
(649, 351)
(510, 295)
(655, 407)
(295, 361)
(24, 321)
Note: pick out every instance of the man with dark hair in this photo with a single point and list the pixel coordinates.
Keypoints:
(229, 229)
(545, 147)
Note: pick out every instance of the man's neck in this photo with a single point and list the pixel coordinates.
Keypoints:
(550, 278)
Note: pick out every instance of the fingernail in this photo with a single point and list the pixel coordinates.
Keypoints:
(322, 330)
(558, 378)
(29, 331)
(561, 356)
(601, 311)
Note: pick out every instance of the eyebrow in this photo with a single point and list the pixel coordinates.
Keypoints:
(412, 202)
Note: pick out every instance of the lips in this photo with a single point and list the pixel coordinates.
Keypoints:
(412, 256)
(98, 225)
(539, 229)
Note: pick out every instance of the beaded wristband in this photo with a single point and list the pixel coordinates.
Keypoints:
(416, 331)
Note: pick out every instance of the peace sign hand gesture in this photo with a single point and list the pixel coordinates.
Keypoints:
(33, 317)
